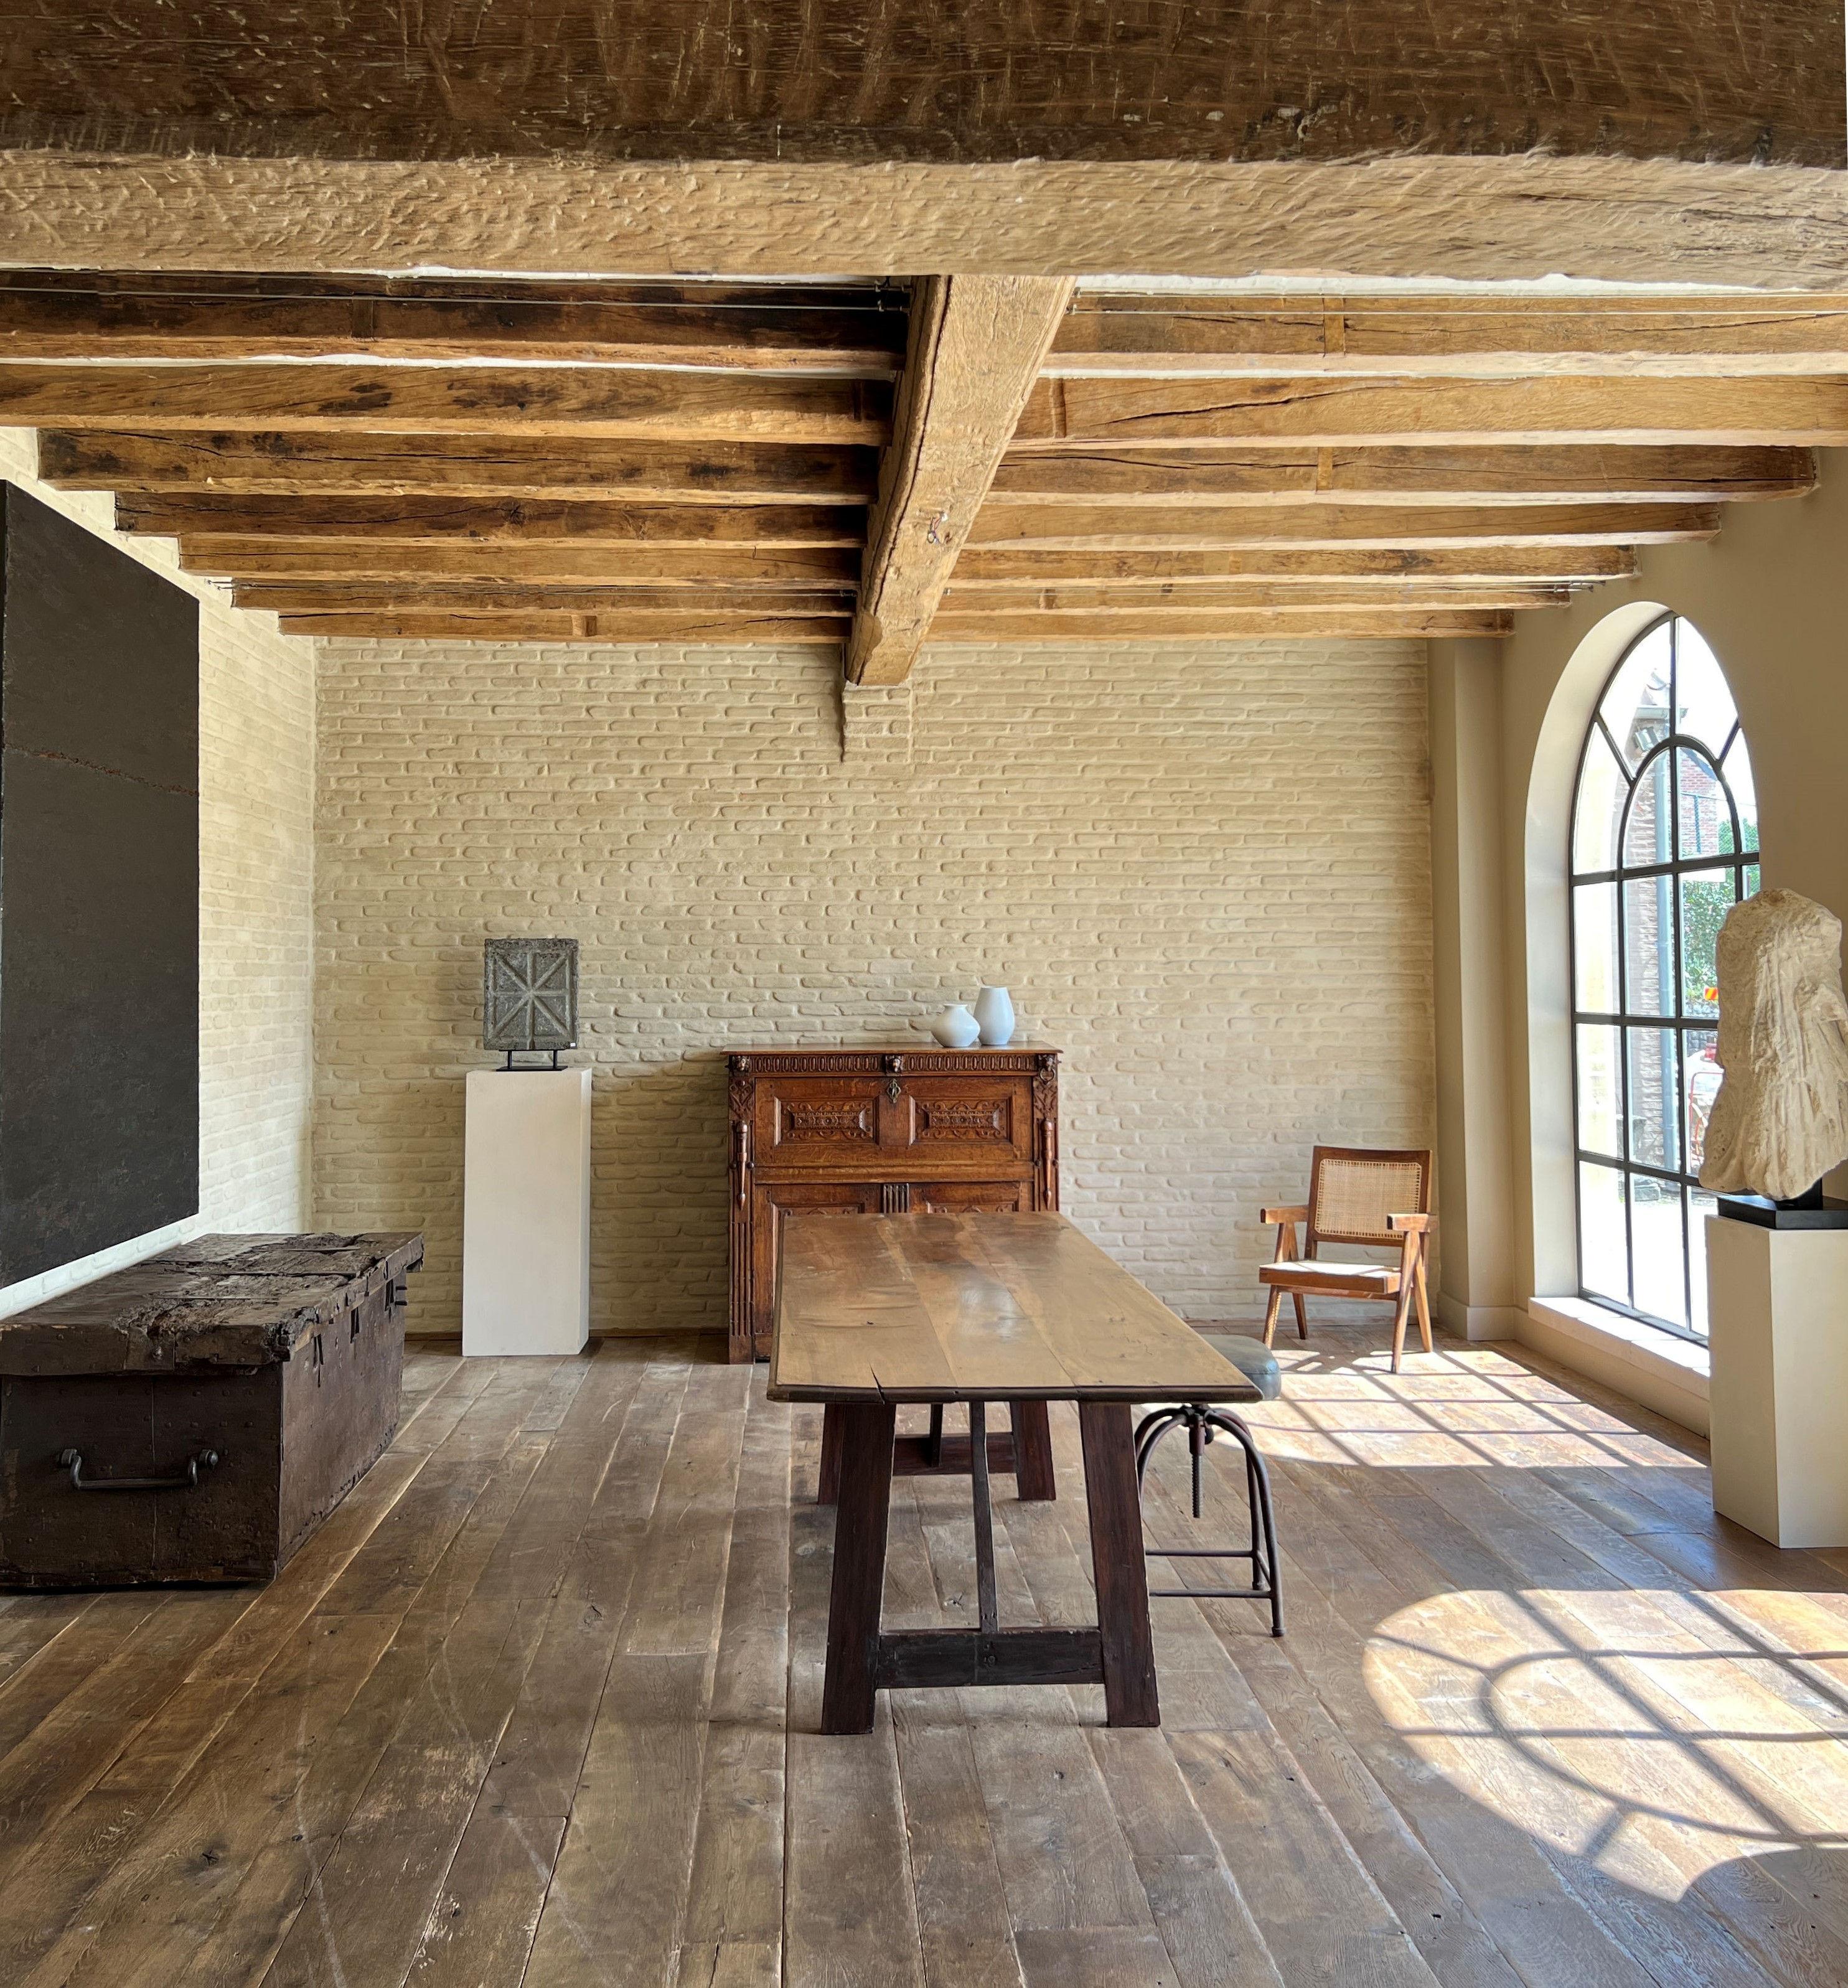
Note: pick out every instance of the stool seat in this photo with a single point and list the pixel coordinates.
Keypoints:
(1253, 1359)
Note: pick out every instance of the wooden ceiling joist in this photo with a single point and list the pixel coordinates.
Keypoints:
(1349, 413)
(975, 347)
(801, 567)
(285, 463)
(1067, 528)
(994, 565)
(446, 520)
(557, 401)
(693, 628)
(1161, 625)
(1587, 473)
(1125, 335)
(853, 331)
(458, 597)
(1383, 594)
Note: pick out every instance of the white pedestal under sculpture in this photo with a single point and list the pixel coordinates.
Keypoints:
(1778, 1306)
(526, 1212)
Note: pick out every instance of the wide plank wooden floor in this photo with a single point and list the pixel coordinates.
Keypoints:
(539, 1705)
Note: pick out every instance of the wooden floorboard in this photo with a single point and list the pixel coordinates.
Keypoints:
(539, 1706)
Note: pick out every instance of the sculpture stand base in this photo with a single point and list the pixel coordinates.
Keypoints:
(1820, 1211)
(526, 1212)
(1777, 1300)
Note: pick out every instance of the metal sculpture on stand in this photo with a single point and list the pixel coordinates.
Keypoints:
(530, 998)
(1780, 1121)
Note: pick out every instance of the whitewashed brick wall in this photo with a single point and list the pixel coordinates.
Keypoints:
(1205, 874)
(256, 904)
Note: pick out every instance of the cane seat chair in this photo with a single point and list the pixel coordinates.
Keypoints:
(1379, 1198)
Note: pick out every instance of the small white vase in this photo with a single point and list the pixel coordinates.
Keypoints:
(956, 1028)
(995, 1016)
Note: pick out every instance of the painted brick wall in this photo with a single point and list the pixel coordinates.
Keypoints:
(1204, 874)
(256, 905)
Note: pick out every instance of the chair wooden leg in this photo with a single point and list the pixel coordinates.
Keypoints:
(1423, 1302)
(1117, 1564)
(848, 1694)
(1270, 1310)
(1401, 1312)
(1302, 1314)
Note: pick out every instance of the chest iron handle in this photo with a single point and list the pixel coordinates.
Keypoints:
(71, 1460)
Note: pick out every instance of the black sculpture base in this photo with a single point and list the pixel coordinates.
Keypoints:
(1813, 1210)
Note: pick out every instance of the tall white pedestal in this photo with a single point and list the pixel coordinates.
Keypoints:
(526, 1212)
(1778, 1304)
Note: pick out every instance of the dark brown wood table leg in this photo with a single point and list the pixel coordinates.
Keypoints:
(1116, 1563)
(1033, 1477)
(859, 1564)
(827, 1488)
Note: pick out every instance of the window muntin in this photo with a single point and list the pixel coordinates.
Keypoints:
(1664, 841)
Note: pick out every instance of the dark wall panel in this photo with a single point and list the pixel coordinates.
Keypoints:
(99, 894)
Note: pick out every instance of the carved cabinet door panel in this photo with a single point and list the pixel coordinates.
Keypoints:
(773, 1201)
(816, 1121)
(965, 1122)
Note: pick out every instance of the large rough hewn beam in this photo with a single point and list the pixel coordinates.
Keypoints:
(974, 351)
(961, 80)
(1625, 221)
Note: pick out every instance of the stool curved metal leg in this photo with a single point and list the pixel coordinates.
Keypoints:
(1201, 1421)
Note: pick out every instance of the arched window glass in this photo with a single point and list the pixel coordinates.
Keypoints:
(1664, 841)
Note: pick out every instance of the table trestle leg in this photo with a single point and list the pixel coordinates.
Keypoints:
(985, 1604)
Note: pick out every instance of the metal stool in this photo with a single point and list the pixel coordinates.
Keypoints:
(1202, 1420)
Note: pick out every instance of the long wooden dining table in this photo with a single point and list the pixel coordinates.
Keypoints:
(876, 1311)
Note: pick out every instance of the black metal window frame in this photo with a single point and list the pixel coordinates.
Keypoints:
(1679, 1024)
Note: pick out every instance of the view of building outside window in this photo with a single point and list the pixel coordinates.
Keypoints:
(1664, 842)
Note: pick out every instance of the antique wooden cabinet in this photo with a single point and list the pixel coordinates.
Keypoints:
(879, 1130)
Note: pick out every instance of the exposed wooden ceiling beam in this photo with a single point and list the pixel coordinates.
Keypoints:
(54, 315)
(279, 464)
(990, 565)
(1119, 336)
(448, 520)
(1354, 413)
(1588, 472)
(801, 567)
(1762, 226)
(1107, 600)
(1179, 626)
(974, 351)
(363, 596)
(562, 400)
(622, 629)
(1055, 527)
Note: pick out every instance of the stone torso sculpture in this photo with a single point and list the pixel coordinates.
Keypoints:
(1780, 1121)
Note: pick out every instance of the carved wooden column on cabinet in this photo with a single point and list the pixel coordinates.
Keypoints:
(880, 1131)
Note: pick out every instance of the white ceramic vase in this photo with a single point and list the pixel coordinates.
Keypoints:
(995, 1016)
(956, 1028)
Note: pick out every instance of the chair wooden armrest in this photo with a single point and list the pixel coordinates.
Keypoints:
(1269, 1216)
(1412, 1224)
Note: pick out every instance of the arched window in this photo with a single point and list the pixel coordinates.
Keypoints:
(1664, 840)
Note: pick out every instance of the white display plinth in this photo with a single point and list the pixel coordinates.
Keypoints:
(526, 1212)
(1777, 1303)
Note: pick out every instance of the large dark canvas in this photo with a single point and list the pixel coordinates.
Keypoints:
(99, 893)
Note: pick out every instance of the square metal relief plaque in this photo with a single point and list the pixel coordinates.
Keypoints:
(529, 994)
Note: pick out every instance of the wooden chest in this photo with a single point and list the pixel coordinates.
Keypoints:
(880, 1131)
(197, 1416)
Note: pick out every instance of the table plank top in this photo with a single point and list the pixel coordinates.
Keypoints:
(976, 1307)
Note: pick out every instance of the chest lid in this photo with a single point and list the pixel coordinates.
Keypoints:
(215, 1301)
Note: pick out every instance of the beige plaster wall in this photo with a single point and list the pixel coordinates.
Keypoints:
(256, 905)
(1205, 874)
(1768, 594)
